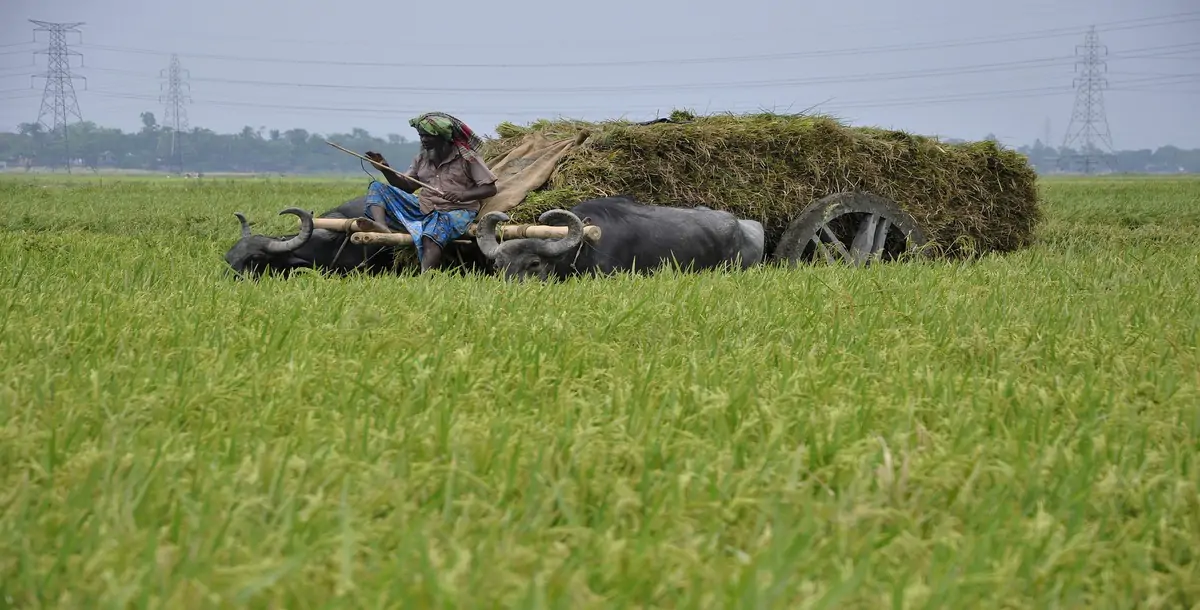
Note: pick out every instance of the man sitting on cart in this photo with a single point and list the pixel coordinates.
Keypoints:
(450, 162)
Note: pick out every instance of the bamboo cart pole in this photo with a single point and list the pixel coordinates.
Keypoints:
(346, 225)
(341, 225)
(390, 239)
(591, 234)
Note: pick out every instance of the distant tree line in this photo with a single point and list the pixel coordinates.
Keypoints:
(156, 148)
(1163, 160)
(297, 151)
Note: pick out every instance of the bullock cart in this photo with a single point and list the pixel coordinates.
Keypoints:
(824, 192)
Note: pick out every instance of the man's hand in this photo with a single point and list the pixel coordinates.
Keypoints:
(474, 194)
(376, 157)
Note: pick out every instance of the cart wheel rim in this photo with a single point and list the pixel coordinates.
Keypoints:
(855, 229)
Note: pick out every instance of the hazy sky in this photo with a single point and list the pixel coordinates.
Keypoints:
(954, 68)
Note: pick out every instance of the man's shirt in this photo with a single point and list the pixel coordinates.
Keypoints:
(457, 174)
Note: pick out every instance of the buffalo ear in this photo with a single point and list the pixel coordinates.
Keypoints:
(587, 220)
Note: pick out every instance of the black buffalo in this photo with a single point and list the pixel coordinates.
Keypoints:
(322, 249)
(634, 236)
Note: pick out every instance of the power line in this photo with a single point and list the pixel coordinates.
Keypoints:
(1183, 47)
(872, 103)
(1089, 122)
(1040, 63)
(23, 70)
(1184, 55)
(580, 64)
(1177, 18)
(1175, 51)
(1028, 64)
(58, 98)
(176, 114)
(1159, 92)
(875, 102)
(24, 92)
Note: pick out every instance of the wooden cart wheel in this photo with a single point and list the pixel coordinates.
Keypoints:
(849, 228)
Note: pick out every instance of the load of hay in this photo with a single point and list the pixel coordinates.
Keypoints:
(974, 197)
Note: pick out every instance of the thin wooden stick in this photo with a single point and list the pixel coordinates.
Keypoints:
(382, 166)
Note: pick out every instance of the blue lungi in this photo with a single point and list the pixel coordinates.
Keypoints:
(403, 210)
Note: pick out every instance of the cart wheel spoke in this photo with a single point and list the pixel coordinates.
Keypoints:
(836, 243)
(881, 237)
(864, 240)
(820, 248)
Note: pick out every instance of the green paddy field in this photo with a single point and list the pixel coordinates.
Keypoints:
(1020, 431)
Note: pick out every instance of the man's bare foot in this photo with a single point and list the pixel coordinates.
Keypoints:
(369, 225)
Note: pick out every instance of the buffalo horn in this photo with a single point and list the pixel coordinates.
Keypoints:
(559, 247)
(485, 233)
(245, 224)
(306, 231)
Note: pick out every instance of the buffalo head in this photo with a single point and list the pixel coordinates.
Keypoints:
(256, 254)
(526, 258)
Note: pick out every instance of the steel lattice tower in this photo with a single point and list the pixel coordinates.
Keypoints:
(1089, 123)
(58, 98)
(174, 99)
